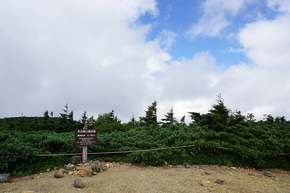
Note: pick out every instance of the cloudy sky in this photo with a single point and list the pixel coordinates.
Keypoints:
(121, 55)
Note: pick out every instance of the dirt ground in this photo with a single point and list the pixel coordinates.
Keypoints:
(126, 178)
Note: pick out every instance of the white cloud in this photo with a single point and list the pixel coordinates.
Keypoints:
(166, 39)
(91, 55)
(267, 43)
(263, 86)
(279, 5)
(214, 19)
(260, 87)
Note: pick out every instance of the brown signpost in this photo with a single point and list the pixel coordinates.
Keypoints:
(85, 137)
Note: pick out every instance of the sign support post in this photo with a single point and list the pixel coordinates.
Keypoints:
(85, 148)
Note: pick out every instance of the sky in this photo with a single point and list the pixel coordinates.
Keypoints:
(122, 55)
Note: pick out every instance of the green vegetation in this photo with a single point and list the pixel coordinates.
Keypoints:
(218, 137)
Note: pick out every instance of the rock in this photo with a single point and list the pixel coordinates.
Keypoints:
(78, 183)
(100, 159)
(104, 168)
(185, 163)
(58, 174)
(96, 168)
(62, 170)
(80, 164)
(76, 159)
(86, 172)
(219, 181)
(70, 172)
(208, 172)
(203, 183)
(4, 178)
(97, 162)
(28, 192)
(268, 174)
(79, 168)
(87, 164)
(187, 166)
(70, 169)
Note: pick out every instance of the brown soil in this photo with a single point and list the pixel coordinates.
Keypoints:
(125, 178)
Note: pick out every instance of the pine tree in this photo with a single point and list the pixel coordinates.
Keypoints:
(169, 118)
(151, 116)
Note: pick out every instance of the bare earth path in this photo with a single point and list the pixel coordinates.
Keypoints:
(126, 178)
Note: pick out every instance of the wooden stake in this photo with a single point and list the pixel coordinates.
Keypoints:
(85, 148)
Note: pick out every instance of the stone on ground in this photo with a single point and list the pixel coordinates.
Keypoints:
(58, 174)
(268, 174)
(4, 177)
(86, 172)
(78, 183)
(76, 159)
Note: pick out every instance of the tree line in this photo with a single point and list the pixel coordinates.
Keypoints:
(217, 118)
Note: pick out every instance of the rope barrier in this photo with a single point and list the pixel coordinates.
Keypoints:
(131, 151)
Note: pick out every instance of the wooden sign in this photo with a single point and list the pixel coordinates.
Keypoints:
(85, 137)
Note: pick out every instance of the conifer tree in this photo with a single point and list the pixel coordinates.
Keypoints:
(151, 116)
(169, 118)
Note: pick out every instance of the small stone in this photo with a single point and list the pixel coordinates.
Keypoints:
(4, 177)
(96, 168)
(70, 169)
(62, 170)
(233, 168)
(70, 172)
(104, 168)
(47, 170)
(268, 174)
(76, 159)
(208, 172)
(78, 183)
(58, 174)
(87, 164)
(187, 166)
(95, 173)
(185, 163)
(208, 182)
(98, 162)
(86, 172)
(80, 164)
(219, 181)
(79, 168)
(28, 192)
(203, 183)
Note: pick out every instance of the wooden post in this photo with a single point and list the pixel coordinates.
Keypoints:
(85, 148)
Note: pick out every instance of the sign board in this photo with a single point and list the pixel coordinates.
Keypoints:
(85, 137)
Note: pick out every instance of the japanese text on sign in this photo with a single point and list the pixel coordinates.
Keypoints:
(85, 137)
